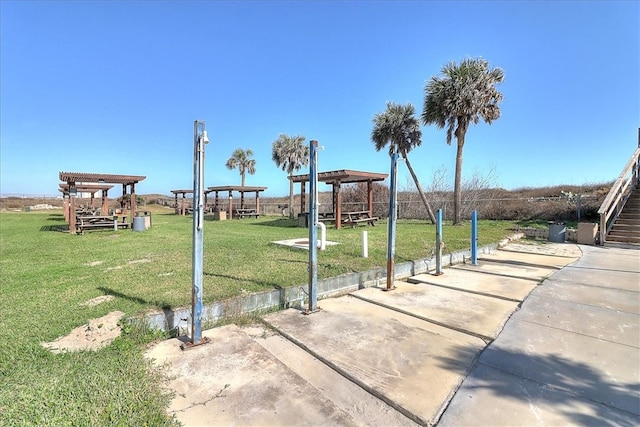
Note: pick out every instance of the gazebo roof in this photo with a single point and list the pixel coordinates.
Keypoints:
(182, 191)
(85, 188)
(72, 177)
(239, 188)
(344, 176)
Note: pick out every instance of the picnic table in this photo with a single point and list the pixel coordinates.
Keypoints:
(241, 213)
(355, 218)
(326, 217)
(100, 222)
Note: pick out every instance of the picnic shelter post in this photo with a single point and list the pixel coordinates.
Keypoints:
(336, 179)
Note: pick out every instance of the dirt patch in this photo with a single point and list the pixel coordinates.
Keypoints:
(138, 261)
(98, 300)
(92, 336)
(94, 263)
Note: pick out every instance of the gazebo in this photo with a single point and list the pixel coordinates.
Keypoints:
(336, 179)
(75, 179)
(230, 189)
(86, 188)
(182, 210)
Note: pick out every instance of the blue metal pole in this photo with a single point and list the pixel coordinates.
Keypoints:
(313, 230)
(474, 238)
(391, 231)
(198, 235)
(439, 242)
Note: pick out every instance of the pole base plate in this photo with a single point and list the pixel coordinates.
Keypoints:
(189, 344)
(306, 311)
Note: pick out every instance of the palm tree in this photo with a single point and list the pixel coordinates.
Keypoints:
(399, 128)
(241, 160)
(464, 94)
(290, 154)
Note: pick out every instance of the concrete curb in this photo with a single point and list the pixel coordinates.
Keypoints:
(179, 319)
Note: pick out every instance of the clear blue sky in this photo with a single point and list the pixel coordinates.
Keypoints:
(114, 87)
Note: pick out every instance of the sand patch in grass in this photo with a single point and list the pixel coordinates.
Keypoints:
(92, 336)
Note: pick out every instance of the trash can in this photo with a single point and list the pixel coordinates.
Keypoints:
(557, 231)
(138, 223)
(146, 217)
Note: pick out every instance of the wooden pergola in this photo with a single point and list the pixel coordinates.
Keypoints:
(336, 179)
(75, 179)
(183, 207)
(230, 189)
(86, 188)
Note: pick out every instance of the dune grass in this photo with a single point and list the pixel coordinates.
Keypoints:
(46, 275)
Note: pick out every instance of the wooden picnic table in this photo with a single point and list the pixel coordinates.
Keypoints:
(326, 217)
(241, 213)
(356, 217)
(97, 222)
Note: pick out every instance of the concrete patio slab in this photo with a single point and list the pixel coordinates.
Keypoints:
(611, 325)
(234, 381)
(570, 250)
(528, 259)
(603, 277)
(364, 408)
(490, 397)
(479, 315)
(301, 243)
(598, 370)
(509, 270)
(569, 356)
(395, 357)
(615, 259)
(598, 296)
(484, 284)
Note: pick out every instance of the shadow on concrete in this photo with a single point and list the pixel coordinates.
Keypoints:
(560, 383)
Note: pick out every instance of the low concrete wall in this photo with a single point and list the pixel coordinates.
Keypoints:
(543, 233)
(180, 319)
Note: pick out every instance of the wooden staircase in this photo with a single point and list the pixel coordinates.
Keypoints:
(626, 228)
(620, 210)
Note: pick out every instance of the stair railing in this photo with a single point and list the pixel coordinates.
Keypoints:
(619, 193)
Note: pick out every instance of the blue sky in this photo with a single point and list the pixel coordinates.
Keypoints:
(114, 87)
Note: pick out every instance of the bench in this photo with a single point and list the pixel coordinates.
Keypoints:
(329, 219)
(96, 222)
(241, 213)
(355, 218)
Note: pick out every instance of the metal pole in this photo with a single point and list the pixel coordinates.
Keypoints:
(365, 245)
(439, 242)
(579, 209)
(393, 210)
(199, 139)
(313, 230)
(474, 238)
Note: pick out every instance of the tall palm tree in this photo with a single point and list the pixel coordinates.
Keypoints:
(463, 95)
(240, 159)
(399, 128)
(290, 154)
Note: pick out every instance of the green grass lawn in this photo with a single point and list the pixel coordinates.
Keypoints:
(45, 276)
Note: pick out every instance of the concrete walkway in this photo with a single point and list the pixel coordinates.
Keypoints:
(455, 349)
